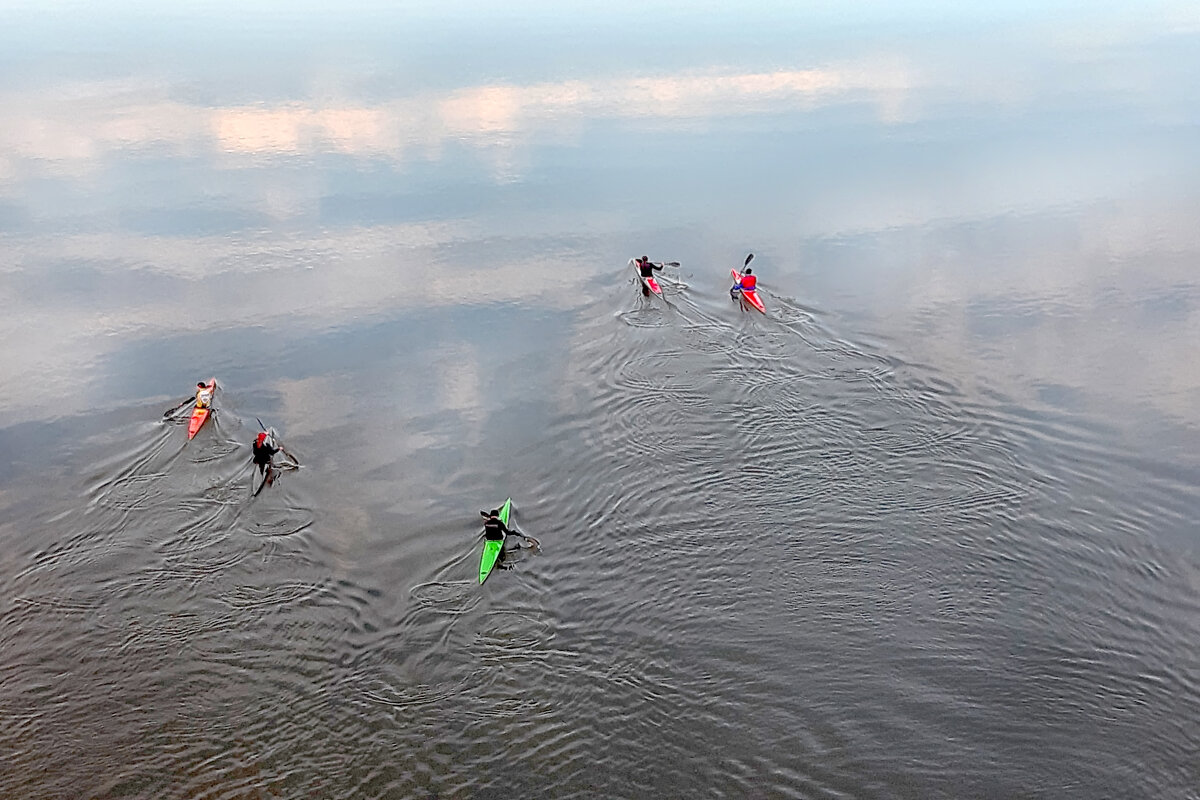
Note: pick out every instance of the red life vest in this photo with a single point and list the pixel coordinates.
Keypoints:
(749, 281)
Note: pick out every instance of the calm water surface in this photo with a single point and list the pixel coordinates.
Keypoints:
(925, 529)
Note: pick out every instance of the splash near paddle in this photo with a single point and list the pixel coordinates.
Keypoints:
(200, 413)
(492, 547)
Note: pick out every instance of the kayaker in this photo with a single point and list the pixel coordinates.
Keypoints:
(646, 269)
(747, 283)
(204, 395)
(263, 452)
(495, 530)
(493, 527)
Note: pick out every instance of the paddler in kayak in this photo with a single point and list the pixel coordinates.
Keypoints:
(747, 284)
(204, 395)
(263, 451)
(646, 269)
(495, 530)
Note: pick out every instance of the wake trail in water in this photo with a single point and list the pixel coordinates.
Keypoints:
(734, 467)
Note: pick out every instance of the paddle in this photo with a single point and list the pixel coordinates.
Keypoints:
(669, 264)
(534, 544)
(171, 411)
(295, 461)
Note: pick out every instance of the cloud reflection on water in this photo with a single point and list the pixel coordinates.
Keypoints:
(106, 119)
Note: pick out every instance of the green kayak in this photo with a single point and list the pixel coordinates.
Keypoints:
(491, 547)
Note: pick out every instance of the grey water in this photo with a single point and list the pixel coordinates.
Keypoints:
(927, 528)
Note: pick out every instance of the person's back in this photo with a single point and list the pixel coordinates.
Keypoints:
(749, 280)
(493, 528)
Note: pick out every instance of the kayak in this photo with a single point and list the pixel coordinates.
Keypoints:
(749, 295)
(199, 415)
(492, 547)
(648, 281)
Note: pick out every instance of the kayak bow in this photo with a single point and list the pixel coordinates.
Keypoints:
(492, 547)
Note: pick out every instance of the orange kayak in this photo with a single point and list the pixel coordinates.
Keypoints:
(749, 295)
(199, 415)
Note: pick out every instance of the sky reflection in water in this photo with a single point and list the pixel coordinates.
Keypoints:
(162, 172)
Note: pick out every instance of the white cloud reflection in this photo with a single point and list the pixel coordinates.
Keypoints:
(104, 119)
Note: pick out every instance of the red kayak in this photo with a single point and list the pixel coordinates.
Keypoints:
(649, 282)
(749, 295)
(199, 415)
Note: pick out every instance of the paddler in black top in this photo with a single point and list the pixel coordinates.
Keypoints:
(646, 269)
(263, 452)
(495, 530)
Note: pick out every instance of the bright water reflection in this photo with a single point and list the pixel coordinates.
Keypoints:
(925, 529)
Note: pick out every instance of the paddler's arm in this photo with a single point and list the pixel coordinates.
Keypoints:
(534, 544)
(183, 403)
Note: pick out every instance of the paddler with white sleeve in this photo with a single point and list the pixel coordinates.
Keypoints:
(204, 395)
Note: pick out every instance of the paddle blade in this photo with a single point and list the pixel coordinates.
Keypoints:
(749, 258)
